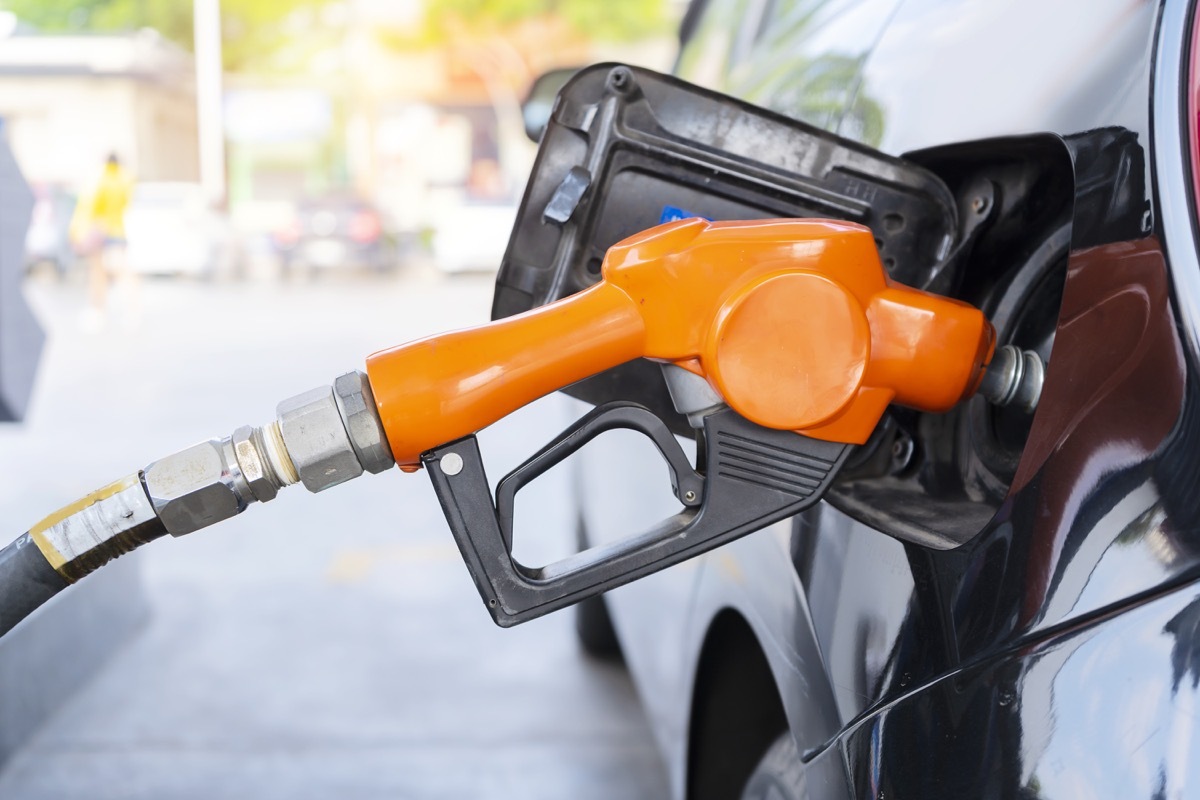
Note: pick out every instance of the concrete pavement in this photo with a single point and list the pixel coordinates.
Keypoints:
(316, 646)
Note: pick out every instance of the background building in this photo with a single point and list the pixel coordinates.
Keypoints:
(68, 101)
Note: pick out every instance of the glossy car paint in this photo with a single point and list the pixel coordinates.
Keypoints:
(1055, 653)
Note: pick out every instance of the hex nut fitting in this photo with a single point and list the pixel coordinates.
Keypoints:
(356, 403)
(1014, 377)
(196, 487)
(316, 439)
(258, 474)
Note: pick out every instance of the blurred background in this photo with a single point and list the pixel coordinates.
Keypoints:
(284, 136)
(233, 202)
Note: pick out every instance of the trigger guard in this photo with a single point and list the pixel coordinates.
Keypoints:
(686, 483)
(752, 477)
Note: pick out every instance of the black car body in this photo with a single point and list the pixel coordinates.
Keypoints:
(1001, 606)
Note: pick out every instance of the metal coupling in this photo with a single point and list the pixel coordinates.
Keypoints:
(215, 480)
(356, 404)
(263, 460)
(320, 438)
(1014, 377)
(333, 433)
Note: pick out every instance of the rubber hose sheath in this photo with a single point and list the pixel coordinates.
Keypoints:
(26, 581)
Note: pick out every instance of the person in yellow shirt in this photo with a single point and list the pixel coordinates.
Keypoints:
(98, 234)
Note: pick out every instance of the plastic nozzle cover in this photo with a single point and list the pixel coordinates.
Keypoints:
(793, 322)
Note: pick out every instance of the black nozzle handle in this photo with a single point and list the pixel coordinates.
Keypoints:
(754, 476)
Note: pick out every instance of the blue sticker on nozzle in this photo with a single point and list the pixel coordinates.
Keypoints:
(674, 214)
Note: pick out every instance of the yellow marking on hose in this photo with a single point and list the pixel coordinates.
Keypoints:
(38, 531)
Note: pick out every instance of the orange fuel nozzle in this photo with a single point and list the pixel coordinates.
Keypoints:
(793, 322)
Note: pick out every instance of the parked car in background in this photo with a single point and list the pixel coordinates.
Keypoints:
(990, 603)
(336, 232)
(171, 230)
(47, 241)
(471, 236)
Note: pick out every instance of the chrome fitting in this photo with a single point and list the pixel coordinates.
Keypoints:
(321, 438)
(317, 440)
(249, 449)
(198, 486)
(356, 404)
(1014, 377)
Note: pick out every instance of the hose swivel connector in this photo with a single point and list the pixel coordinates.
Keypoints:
(320, 438)
(333, 433)
(199, 485)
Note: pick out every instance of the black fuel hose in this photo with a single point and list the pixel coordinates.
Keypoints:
(73, 542)
(26, 581)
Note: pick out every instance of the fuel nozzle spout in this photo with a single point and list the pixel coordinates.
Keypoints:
(1014, 378)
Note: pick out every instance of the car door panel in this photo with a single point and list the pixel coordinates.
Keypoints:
(1101, 509)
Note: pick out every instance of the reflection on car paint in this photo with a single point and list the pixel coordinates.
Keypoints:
(1057, 653)
(1106, 710)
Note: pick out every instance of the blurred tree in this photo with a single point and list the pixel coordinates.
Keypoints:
(252, 30)
(612, 20)
(505, 43)
(510, 41)
(173, 20)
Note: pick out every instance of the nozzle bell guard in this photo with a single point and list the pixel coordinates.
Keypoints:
(794, 323)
